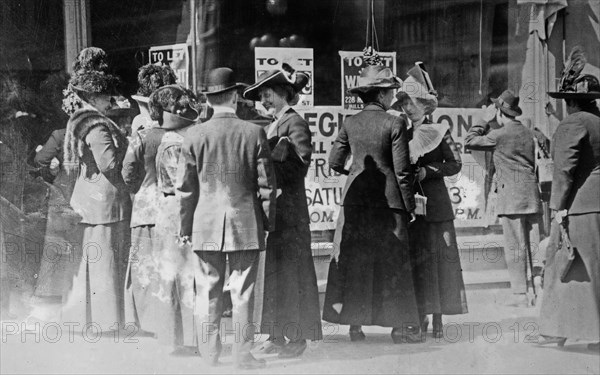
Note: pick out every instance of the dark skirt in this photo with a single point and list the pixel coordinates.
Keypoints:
(373, 277)
(571, 308)
(291, 296)
(142, 279)
(97, 293)
(437, 272)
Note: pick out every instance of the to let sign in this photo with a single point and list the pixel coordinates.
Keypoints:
(174, 55)
(352, 65)
(300, 59)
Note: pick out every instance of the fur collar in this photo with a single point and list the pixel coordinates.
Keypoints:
(79, 126)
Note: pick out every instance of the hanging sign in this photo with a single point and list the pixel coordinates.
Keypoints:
(174, 55)
(301, 59)
(352, 64)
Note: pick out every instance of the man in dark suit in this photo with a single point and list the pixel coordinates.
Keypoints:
(518, 195)
(227, 189)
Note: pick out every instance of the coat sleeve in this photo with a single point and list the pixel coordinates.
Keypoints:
(451, 163)
(105, 154)
(478, 137)
(188, 187)
(133, 164)
(339, 152)
(566, 152)
(267, 189)
(402, 168)
(295, 167)
(52, 149)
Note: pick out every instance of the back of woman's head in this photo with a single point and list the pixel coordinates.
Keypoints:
(91, 59)
(370, 96)
(151, 77)
(171, 98)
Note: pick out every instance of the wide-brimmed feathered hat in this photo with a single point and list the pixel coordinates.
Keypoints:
(170, 105)
(375, 77)
(574, 82)
(282, 77)
(220, 80)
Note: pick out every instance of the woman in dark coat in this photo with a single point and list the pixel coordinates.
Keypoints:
(291, 300)
(372, 283)
(434, 252)
(95, 146)
(571, 304)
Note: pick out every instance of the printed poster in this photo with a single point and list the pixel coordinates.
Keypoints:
(351, 65)
(301, 59)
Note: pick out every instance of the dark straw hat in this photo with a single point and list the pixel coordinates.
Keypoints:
(285, 76)
(220, 80)
(508, 103)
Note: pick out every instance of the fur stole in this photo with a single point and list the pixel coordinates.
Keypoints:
(79, 126)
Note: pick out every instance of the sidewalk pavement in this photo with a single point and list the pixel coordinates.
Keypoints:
(489, 339)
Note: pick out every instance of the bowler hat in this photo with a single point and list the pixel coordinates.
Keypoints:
(285, 76)
(374, 77)
(220, 80)
(508, 103)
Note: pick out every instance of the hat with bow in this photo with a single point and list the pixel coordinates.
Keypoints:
(286, 76)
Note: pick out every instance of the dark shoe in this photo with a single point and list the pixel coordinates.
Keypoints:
(411, 335)
(548, 340)
(293, 349)
(271, 346)
(251, 363)
(424, 324)
(438, 327)
(227, 313)
(594, 347)
(356, 333)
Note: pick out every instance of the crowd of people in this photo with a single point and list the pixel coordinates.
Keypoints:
(169, 217)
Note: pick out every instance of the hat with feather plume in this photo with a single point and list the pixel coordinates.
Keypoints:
(575, 83)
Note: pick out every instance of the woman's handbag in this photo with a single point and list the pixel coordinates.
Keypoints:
(420, 201)
(569, 251)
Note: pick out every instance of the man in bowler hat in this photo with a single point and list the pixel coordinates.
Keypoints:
(518, 204)
(227, 188)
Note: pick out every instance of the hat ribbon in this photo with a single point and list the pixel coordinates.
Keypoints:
(289, 73)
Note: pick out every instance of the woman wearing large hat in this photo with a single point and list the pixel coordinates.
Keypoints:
(139, 173)
(172, 107)
(436, 264)
(571, 305)
(93, 153)
(150, 77)
(371, 283)
(291, 300)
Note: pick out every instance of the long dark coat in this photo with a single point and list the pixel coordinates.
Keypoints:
(436, 264)
(373, 278)
(571, 308)
(291, 299)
